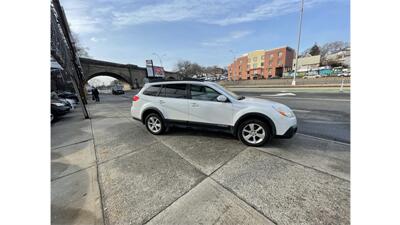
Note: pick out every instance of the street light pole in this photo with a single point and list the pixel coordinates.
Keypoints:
(159, 58)
(298, 44)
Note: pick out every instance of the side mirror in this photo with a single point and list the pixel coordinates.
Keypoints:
(222, 98)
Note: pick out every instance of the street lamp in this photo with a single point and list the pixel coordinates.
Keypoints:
(298, 44)
(159, 57)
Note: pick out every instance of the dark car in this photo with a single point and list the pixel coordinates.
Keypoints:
(117, 90)
(69, 95)
(59, 108)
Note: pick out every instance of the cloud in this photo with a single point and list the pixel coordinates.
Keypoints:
(221, 12)
(94, 39)
(83, 17)
(268, 10)
(99, 15)
(224, 40)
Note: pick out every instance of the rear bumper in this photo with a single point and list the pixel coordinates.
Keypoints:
(289, 133)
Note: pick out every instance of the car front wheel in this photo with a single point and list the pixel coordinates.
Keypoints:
(154, 124)
(254, 132)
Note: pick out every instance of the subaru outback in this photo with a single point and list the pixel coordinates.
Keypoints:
(208, 105)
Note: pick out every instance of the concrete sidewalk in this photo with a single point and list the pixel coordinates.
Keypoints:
(75, 194)
(110, 170)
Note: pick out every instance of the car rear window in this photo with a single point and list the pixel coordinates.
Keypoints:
(152, 90)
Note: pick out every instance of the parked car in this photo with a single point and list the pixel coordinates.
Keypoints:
(117, 90)
(207, 105)
(344, 74)
(68, 95)
(311, 76)
(59, 108)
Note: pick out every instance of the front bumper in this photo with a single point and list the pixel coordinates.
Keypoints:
(289, 133)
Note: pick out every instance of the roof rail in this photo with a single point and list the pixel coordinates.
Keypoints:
(153, 80)
(191, 79)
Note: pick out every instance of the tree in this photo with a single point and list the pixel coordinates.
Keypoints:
(186, 68)
(332, 47)
(315, 50)
(80, 50)
(115, 83)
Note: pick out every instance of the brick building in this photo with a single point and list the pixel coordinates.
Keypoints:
(262, 64)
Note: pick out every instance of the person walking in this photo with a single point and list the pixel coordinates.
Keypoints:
(95, 93)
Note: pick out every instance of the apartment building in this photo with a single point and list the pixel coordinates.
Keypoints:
(262, 64)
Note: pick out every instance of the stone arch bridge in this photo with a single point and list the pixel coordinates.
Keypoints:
(128, 73)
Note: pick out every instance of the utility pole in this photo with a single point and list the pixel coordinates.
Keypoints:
(159, 58)
(298, 44)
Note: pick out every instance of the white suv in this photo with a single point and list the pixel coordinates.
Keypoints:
(208, 105)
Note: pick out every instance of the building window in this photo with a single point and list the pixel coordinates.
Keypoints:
(269, 71)
(262, 64)
(249, 60)
(255, 65)
(239, 67)
(271, 56)
(254, 59)
(248, 66)
(279, 62)
(262, 57)
(270, 63)
(279, 54)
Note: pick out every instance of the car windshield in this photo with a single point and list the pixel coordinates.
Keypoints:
(230, 93)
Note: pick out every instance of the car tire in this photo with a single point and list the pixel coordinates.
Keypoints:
(154, 124)
(254, 132)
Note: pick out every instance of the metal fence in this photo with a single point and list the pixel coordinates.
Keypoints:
(323, 81)
(64, 51)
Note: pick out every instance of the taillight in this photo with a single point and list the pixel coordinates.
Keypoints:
(135, 98)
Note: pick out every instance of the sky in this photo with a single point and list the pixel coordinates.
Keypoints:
(208, 32)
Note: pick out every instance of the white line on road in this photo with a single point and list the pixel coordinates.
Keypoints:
(281, 94)
(317, 99)
(323, 139)
(326, 122)
(301, 111)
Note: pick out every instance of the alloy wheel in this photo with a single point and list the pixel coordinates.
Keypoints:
(253, 133)
(154, 124)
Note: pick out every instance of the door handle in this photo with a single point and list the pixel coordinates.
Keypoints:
(162, 102)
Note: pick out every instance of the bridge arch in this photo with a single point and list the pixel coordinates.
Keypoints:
(109, 74)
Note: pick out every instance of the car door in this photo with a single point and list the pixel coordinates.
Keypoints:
(174, 101)
(204, 107)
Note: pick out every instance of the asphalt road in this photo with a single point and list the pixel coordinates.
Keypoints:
(322, 115)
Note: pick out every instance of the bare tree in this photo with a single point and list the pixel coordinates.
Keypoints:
(81, 51)
(186, 68)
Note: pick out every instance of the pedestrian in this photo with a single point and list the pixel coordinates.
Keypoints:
(93, 98)
(95, 93)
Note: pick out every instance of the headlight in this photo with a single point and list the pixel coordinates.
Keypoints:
(284, 111)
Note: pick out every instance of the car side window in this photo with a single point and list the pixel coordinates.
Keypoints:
(205, 93)
(173, 91)
(152, 90)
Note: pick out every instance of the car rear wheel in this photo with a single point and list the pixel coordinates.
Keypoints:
(254, 132)
(154, 124)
